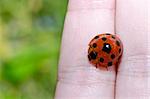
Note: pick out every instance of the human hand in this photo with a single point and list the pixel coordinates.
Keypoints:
(86, 18)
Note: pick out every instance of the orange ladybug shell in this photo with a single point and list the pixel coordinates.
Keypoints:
(105, 50)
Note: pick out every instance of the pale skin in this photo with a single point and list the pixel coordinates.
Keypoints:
(77, 78)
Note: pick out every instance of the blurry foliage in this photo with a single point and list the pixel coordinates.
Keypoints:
(30, 33)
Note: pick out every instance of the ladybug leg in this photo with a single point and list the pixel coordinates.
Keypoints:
(107, 68)
(96, 65)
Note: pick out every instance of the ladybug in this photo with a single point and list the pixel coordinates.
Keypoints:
(105, 50)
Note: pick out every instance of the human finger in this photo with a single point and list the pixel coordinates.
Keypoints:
(77, 77)
(133, 27)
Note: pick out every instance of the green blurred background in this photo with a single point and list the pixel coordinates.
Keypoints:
(30, 37)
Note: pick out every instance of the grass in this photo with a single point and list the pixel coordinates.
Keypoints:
(30, 35)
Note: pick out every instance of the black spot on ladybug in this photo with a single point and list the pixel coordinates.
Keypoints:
(93, 55)
(119, 50)
(113, 37)
(118, 43)
(89, 57)
(104, 38)
(94, 45)
(107, 34)
(106, 48)
(109, 64)
(101, 59)
(96, 37)
(112, 56)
